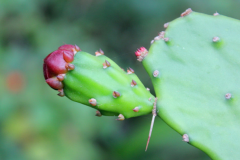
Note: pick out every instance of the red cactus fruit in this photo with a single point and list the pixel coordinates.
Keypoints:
(56, 64)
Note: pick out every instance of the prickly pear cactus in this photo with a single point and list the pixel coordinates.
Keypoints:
(98, 82)
(194, 66)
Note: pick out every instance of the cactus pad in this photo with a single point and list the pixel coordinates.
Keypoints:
(194, 66)
(98, 82)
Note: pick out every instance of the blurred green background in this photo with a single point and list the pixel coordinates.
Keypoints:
(36, 124)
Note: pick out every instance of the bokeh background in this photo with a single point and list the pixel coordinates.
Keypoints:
(36, 124)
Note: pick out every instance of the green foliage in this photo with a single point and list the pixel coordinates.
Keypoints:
(197, 85)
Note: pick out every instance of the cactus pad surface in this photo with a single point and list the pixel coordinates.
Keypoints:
(98, 82)
(194, 66)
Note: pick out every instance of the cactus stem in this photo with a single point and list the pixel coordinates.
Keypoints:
(130, 71)
(61, 93)
(116, 94)
(187, 12)
(98, 113)
(60, 77)
(148, 89)
(92, 101)
(133, 83)
(99, 53)
(185, 138)
(166, 25)
(136, 109)
(216, 14)
(120, 117)
(155, 73)
(228, 95)
(216, 39)
(106, 64)
(154, 113)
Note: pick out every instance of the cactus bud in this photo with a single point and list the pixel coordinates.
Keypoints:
(141, 53)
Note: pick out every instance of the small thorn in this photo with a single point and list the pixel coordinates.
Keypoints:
(228, 95)
(216, 39)
(166, 39)
(185, 138)
(133, 83)
(54, 83)
(99, 53)
(148, 89)
(187, 12)
(216, 13)
(70, 66)
(60, 77)
(155, 73)
(120, 117)
(130, 71)
(152, 41)
(98, 113)
(161, 34)
(136, 109)
(61, 93)
(150, 99)
(116, 94)
(106, 64)
(166, 25)
(154, 113)
(92, 101)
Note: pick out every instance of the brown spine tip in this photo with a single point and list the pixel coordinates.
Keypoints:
(187, 12)
(106, 64)
(99, 53)
(133, 83)
(120, 117)
(166, 25)
(70, 66)
(216, 39)
(92, 101)
(228, 95)
(116, 94)
(136, 109)
(60, 77)
(98, 113)
(155, 73)
(130, 71)
(61, 93)
(216, 14)
(185, 138)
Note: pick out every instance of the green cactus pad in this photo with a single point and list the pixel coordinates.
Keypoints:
(90, 80)
(197, 86)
